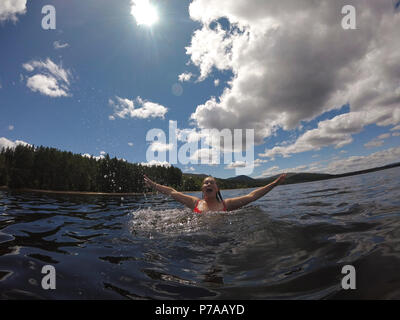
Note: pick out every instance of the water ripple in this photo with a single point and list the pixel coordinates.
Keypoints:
(291, 244)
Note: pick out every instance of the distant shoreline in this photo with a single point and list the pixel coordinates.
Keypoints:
(89, 193)
(150, 193)
(74, 192)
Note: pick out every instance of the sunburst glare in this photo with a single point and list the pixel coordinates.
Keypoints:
(144, 12)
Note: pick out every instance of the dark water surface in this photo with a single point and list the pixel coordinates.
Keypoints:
(291, 244)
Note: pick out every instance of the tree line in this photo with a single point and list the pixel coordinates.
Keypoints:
(47, 168)
(31, 167)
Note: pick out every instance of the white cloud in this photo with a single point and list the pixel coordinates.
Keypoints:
(395, 128)
(335, 132)
(378, 141)
(52, 80)
(243, 164)
(59, 45)
(5, 143)
(130, 144)
(28, 67)
(396, 134)
(87, 155)
(216, 82)
(270, 172)
(236, 164)
(46, 85)
(224, 140)
(9, 9)
(291, 61)
(356, 163)
(258, 162)
(384, 136)
(10, 127)
(189, 169)
(185, 76)
(206, 156)
(342, 165)
(189, 135)
(124, 108)
(48, 67)
(157, 146)
(208, 49)
(156, 163)
(374, 143)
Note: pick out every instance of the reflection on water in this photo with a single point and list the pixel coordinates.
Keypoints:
(291, 244)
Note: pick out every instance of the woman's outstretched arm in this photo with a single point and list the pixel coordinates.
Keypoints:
(236, 203)
(187, 200)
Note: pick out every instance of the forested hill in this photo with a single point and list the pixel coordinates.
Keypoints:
(52, 169)
(47, 168)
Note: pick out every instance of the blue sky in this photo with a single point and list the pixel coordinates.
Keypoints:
(99, 82)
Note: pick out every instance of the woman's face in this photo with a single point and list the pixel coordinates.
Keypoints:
(209, 187)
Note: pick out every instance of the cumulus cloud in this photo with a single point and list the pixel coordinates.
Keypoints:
(384, 136)
(335, 132)
(59, 45)
(189, 169)
(206, 156)
(185, 76)
(374, 143)
(224, 140)
(157, 146)
(356, 163)
(292, 61)
(270, 172)
(87, 155)
(9, 9)
(46, 85)
(396, 128)
(378, 141)
(5, 143)
(125, 108)
(243, 164)
(156, 163)
(258, 162)
(340, 165)
(236, 164)
(51, 80)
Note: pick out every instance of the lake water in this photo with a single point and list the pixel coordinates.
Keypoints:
(291, 244)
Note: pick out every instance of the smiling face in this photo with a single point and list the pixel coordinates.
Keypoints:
(209, 187)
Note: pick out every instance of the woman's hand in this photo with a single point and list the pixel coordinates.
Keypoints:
(280, 179)
(236, 203)
(182, 198)
(149, 182)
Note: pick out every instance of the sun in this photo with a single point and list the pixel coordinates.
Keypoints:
(144, 12)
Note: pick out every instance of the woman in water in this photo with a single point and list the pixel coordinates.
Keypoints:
(212, 199)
